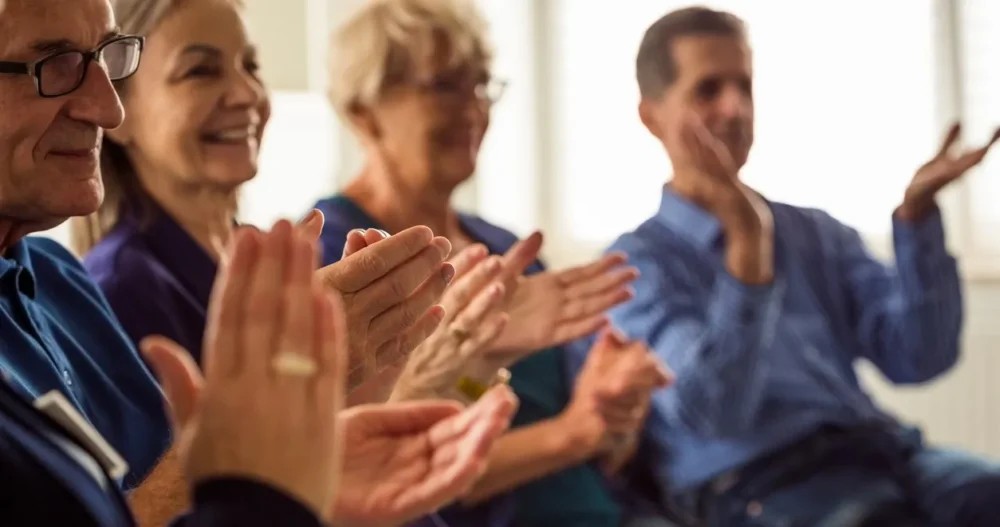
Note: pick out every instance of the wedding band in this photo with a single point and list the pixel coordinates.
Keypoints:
(294, 364)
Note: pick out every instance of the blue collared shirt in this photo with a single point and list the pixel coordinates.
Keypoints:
(57, 332)
(156, 277)
(44, 480)
(761, 366)
(577, 496)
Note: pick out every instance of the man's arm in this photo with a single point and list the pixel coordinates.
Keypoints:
(163, 495)
(908, 319)
(715, 346)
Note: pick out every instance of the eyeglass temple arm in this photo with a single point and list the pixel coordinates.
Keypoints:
(14, 67)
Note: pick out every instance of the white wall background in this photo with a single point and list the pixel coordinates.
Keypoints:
(852, 95)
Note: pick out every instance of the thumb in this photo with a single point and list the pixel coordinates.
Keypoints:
(178, 375)
(312, 225)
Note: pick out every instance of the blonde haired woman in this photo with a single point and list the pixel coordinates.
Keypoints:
(412, 78)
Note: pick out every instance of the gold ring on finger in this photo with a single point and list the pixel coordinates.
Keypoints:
(294, 364)
(460, 333)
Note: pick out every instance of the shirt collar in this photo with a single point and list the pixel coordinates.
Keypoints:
(174, 248)
(17, 263)
(687, 219)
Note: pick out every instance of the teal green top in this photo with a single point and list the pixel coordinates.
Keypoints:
(575, 497)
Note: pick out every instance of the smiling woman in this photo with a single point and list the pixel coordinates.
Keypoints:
(196, 110)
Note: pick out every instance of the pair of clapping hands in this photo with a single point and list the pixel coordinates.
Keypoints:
(495, 316)
(281, 341)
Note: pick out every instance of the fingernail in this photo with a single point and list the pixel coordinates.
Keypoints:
(383, 233)
(448, 273)
(309, 217)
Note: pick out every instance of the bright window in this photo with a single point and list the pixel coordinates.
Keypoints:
(845, 104)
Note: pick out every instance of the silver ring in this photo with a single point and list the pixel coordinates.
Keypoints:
(294, 364)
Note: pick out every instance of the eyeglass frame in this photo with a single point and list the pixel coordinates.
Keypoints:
(434, 87)
(34, 68)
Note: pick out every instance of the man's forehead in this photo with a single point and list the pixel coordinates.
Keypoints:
(29, 24)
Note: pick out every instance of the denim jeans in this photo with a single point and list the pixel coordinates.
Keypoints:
(839, 488)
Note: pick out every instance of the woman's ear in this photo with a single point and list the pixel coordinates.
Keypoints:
(365, 122)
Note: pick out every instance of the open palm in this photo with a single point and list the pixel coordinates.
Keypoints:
(556, 307)
(405, 460)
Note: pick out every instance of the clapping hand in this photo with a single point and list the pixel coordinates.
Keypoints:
(473, 319)
(390, 290)
(555, 307)
(275, 349)
(937, 173)
(405, 460)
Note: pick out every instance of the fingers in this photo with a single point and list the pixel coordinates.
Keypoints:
(263, 303)
(521, 255)
(600, 266)
(311, 225)
(949, 140)
(331, 340)
(468, 259)
(407, 309)
(485, 333)
(421, 278)
(371, 264)
(178, 375)
(402, 419)
(297, 332)
(606, 282)
(596, 304)
(223, 354)
(460, 295)
(355, 242)
(397, 350)
(973, 158)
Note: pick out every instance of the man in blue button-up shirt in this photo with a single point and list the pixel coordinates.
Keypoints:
(761, 309)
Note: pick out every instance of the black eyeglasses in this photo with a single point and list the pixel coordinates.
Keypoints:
(63, 73)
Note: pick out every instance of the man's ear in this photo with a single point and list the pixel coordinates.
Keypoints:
(647, 114)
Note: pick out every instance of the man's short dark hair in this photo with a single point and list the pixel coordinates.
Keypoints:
(655, 66)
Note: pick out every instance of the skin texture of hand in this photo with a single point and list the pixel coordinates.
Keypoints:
(612, 391)
(473, 319)
(244, 418)
(390, 289)
(939, 172)
(556, 307)
(406, 460)
(705, 173)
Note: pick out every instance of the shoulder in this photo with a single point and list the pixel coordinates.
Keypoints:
(123, 266)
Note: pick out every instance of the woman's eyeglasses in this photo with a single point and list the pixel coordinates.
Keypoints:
(64, 72)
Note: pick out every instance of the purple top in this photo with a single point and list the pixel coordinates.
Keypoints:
(154, 258)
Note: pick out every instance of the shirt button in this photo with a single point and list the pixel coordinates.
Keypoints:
(754, 509)
(67, 379)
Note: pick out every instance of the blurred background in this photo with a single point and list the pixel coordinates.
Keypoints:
(851, 97)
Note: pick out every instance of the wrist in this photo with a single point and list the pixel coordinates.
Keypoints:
(912, 211)
(750, 259)
(582, 434)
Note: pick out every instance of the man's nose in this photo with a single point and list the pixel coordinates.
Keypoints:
(96, 101)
